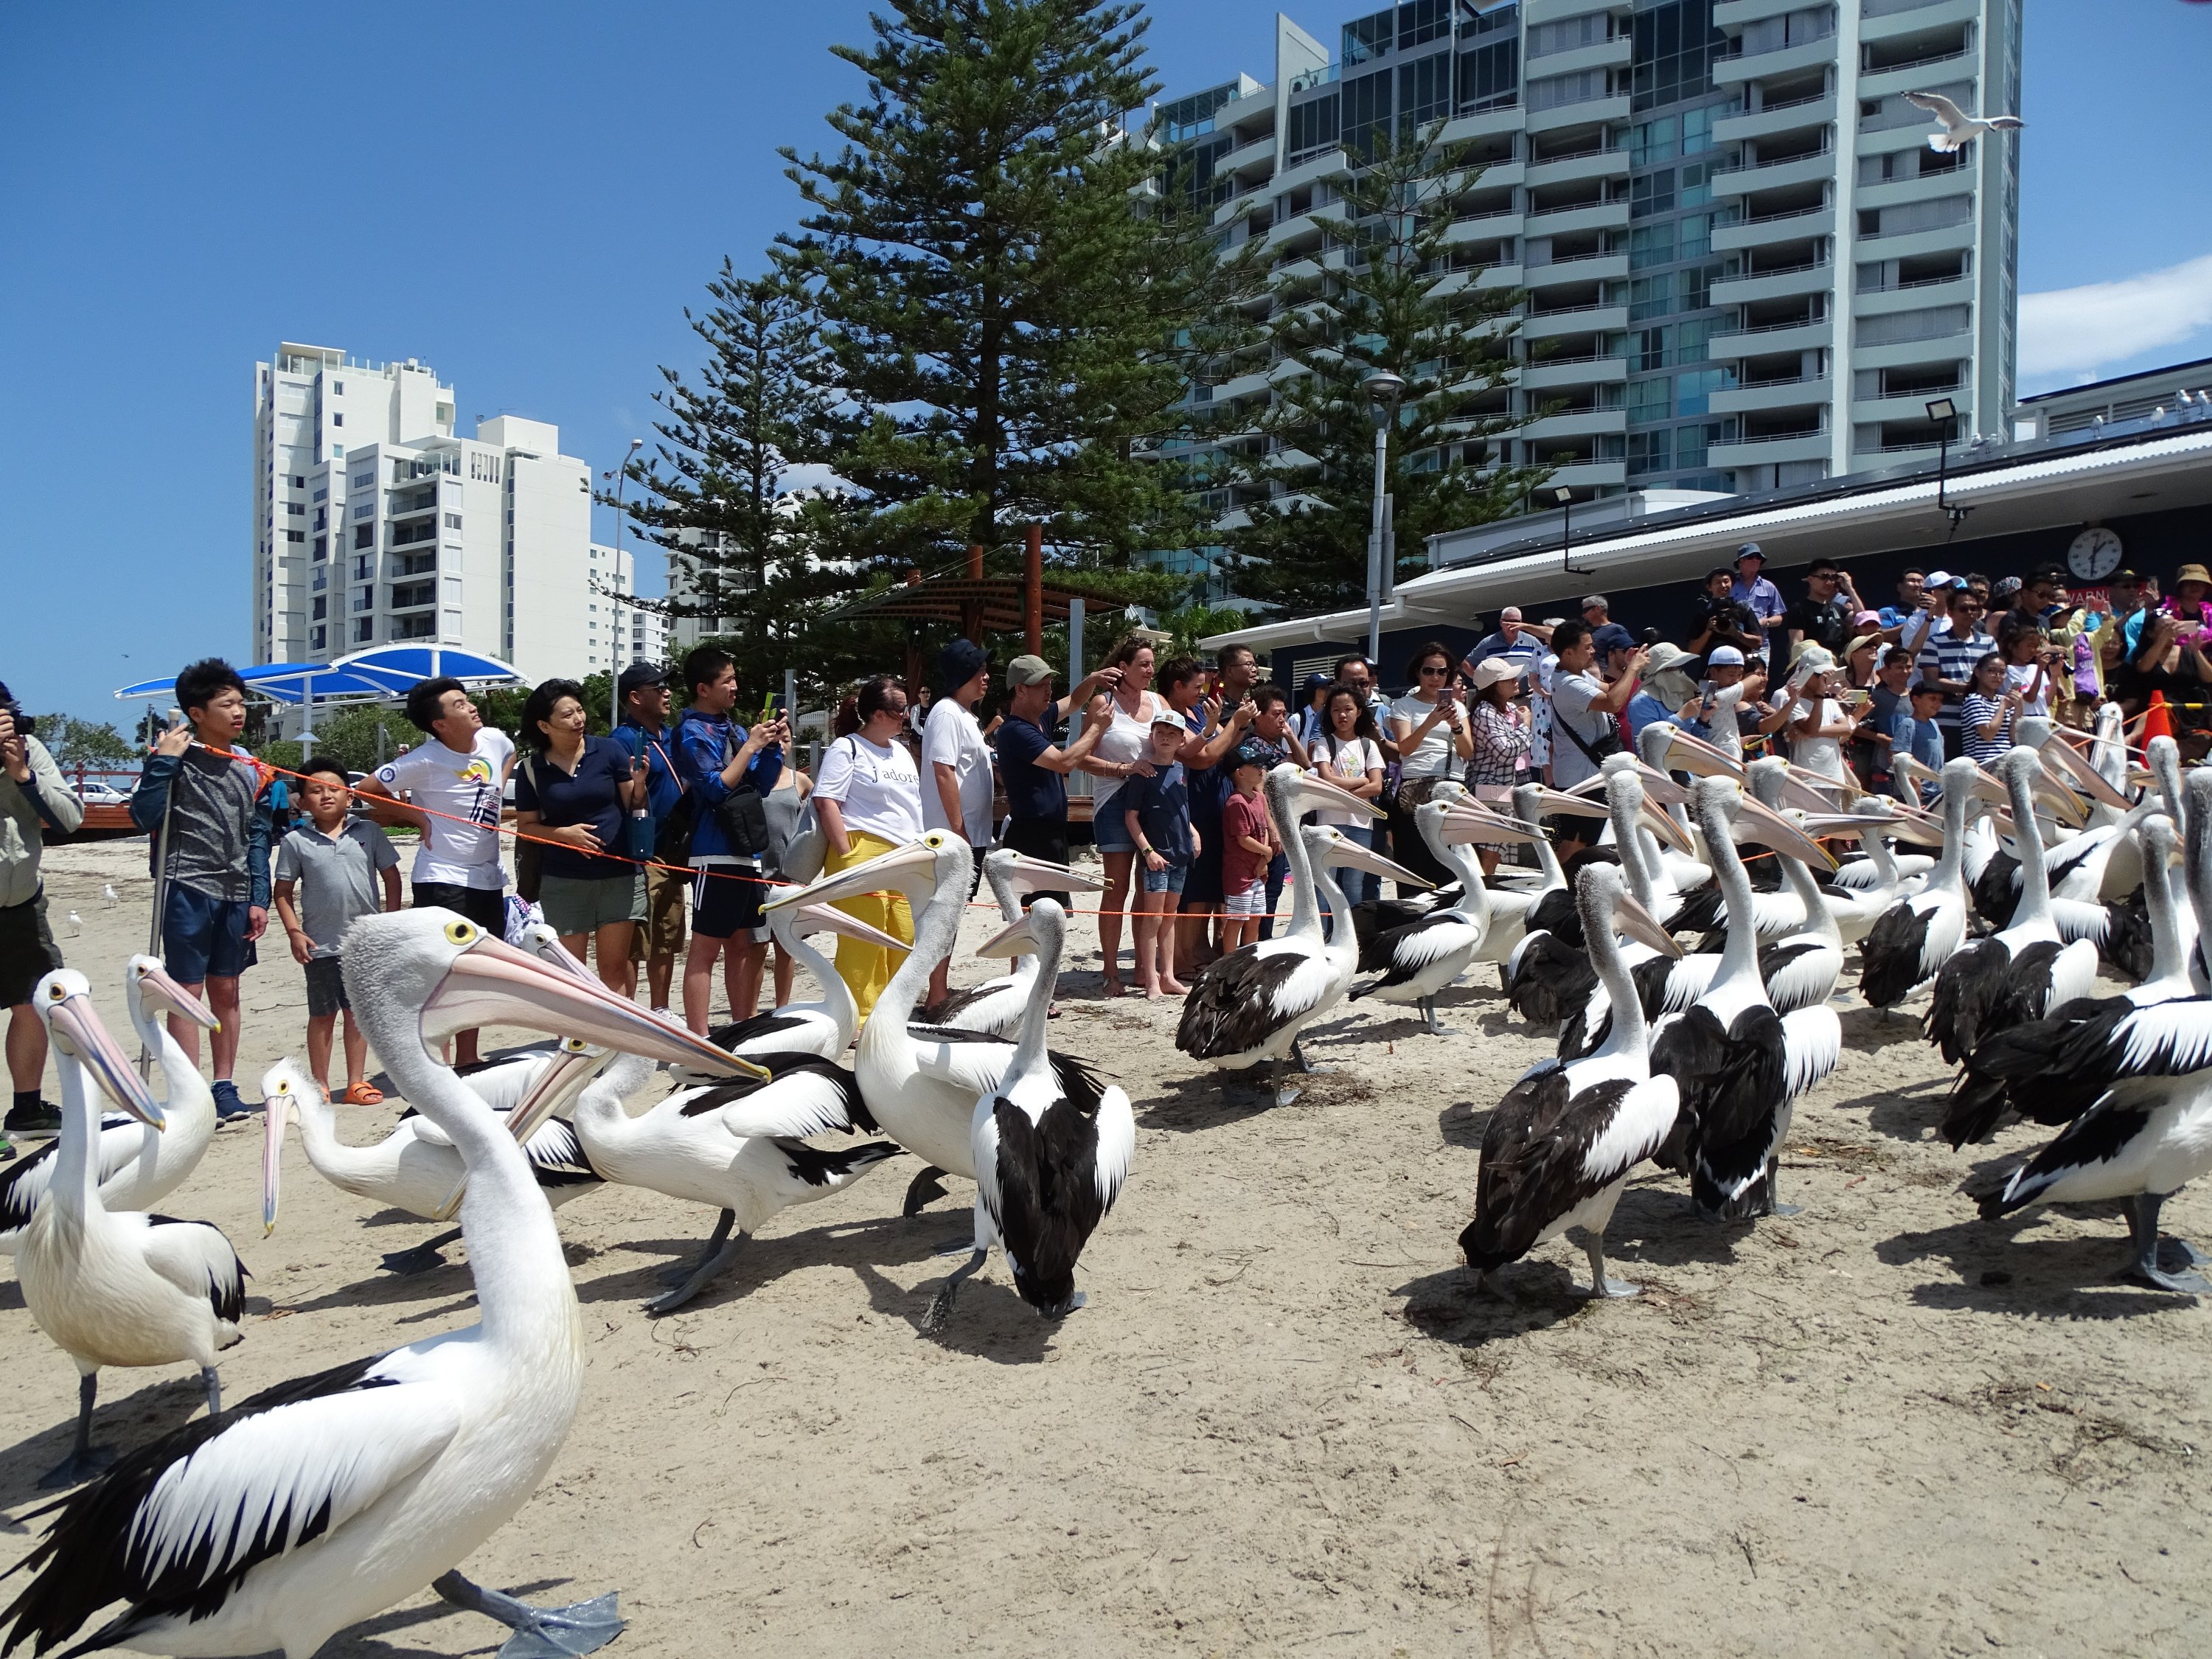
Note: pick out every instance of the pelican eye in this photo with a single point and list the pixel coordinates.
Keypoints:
(57, 993)
(461, 933)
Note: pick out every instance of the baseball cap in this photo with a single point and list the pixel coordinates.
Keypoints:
(1167, 716)
(1943, 578)
(1314, 683)
(1614, 637)
(1248, 754)
(1028, 671)
(1750, 550)
(959, 662)
(2006, 587)
(1866, 616)
(639, 675)
(1491, 671)
(1724, 656)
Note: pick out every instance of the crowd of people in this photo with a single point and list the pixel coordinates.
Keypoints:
(652, 849)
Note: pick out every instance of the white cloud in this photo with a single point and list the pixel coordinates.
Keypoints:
(2077, 331)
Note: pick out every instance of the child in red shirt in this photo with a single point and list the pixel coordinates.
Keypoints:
(1249, 845)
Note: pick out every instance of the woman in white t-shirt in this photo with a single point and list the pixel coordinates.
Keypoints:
(1434, 741)
(1818, 724)
(1119, 756)
(868, 801)
(1348, 750)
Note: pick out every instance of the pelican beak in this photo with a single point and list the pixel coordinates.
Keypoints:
(826, 919)
(2065, 806)
(79, 1034)
(1918, 771)
(1039, 876)
(911, 869)
(492, 983)
(1658, 787)
(545, 944)
(1797, 792)
(1987, 786)
(1758, 823)
(179, 1000)
(1666, 829)
(1463, 826)
(1696, 756)
(1317, 794)
(1636, 922)
(2061, 757)
(1350, 854)
(559, 1082)
(276, 1109)
(1559, 804)
(1015, 939)
(1839, 826)
(1917, 827)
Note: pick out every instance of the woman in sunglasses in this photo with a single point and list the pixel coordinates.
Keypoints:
(1434, 742)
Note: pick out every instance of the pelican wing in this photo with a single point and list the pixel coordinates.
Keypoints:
(175, 1526)
(1812, 1044)
(198, 1261)
(803, 1095)
(978, 1061)
(24, 1183)
(556, 1156)
(986, 1007)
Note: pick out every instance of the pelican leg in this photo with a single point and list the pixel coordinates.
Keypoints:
(1594, 1244)
(85, 1460)
(1298, 1059)
(214, 1386)
(676, 1272)
(1437, 1027)
(422, 1258)
(2142, 1223)
(940, 1305)
(1283, 1092)
(1774, 1204)
(701, 1276)
(539, 1632)
(923, 1190)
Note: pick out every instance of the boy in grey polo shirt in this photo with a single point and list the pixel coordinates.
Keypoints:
(328, 872)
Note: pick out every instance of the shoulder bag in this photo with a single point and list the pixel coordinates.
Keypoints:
(743, 819)
(529, 852)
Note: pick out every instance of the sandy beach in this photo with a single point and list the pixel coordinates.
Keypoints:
(1285, 1424)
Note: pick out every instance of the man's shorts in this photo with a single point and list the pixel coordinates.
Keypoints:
(28, 951)
(326, 991)
(667, 895)
(1168, 878)
(204, 938)
(727, 898)
(485, 906)
(1252, 902)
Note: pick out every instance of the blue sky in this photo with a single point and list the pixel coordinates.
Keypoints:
(526, 196)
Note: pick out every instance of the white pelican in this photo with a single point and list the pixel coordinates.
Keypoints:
(1508, 908)
(1247, 1008)
(1910, 941)
(1741, 1066)
(1050, 1160)
(995, 1006)
(115, 1287)
(824, 1028)
(2024, 972)
(1424, 955)
(327, 1499)
(737, 1147)
(2050, 1070)
(138, 1165)
(1559, 1149)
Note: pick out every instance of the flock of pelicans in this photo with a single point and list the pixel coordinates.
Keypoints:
(327, 1499)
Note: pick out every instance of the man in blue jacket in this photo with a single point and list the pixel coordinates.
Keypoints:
(212, 858)
(642, 691)
(727, 769)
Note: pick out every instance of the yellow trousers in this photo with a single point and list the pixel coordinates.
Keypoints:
(867, 969)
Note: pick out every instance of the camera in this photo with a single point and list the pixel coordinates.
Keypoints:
(25, 725)
(1648, 637)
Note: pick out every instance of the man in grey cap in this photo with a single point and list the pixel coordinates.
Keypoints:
(1033, 767)
(1753, 589)
(955, 761)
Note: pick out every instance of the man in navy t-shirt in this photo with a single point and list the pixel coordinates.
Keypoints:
(1032, 767)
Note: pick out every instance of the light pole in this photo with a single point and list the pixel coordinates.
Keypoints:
(614, 669)
(1943, 412)
(1565, 498)
(1383, 390)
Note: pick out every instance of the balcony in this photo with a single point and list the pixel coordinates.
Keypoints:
(1588, 475)
(1605, 54)
(1597, 163)
(1575, 424)
(1811, 168)
(424, 529)
(1769, 229)
(1771, 451)
(1767, 338)
(1589, 268)
(1735, 71)
(1783, 283)
(1483, 228)
(1732, 14)
(1915, 76)
(1595, 112)
(1594, 215)
(1592, 369)
(1905, 354)
(1906, 406)
(1911, 296)
(1886, 19)
(1589, 319)
(1816, 109)
(1771, 394)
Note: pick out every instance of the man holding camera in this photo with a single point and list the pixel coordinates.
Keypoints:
(34, 802)
(1721, 618)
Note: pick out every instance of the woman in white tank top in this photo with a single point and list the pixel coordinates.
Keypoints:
(1116, 760)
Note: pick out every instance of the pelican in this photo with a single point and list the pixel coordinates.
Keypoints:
(995, 1006)
(1741, 1066)
(1249, 1006)
(115, 1287)
(1559, 1149)
(919, 1082)
(1050, 1160)
(331, 1497)
(138, 1165)
(2024, 972)
(1424, 955)
(2053, 1069)
(1509, 909)
(824, 1028)
(1910, 941)
(737, 1147)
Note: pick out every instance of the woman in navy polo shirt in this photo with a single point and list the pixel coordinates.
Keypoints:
(573, 792)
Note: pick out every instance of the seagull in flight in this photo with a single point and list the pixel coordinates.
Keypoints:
(1959, 129)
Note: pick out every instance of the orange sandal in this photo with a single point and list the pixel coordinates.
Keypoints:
(363, 1093)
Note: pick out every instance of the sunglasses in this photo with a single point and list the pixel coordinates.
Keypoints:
(1425, 670)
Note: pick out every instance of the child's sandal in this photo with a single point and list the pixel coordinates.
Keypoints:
(363, 1093)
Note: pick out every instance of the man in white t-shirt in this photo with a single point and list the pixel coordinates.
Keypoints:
(456, 782)
(957, 785)
(1584, 706)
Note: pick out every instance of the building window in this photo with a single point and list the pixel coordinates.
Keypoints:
(338, 452)
(1423, 21)
(1425, 93)
(319, 639)
(1675, 45)
(321, 607)
(1592, 29)
(300, 536)
(337, 387)
(1693, 391)
(1366, 111)
(452, 521)
(337, 420)
(1366, 39)
(1654, 193)
(364, 629)
(1649, 400)
(296, 509)
(364, 535)
(1489, 76)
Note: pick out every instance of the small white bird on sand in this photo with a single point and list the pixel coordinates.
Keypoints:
(1959, 129)
(108, 895)
(76, 924)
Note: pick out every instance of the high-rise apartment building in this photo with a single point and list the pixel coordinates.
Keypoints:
(616, 634)
(373, 522)
(1744, 266)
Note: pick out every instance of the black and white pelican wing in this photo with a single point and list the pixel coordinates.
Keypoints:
(977, 1060)
(1408, 951)
(1237, 1003)
(1799, 971)
(1812, 1046)
(1047, 1184)
(195, 1257)
(987, 1007)
(2109, 1132)
(174, 1528)
(743, 1036)
(1547, 1150)
(557, 1157)
(803, 1095)
(122, 1142)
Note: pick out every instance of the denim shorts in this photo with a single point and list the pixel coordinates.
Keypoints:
(1168, 878)
(1110, 823)
(204, 938)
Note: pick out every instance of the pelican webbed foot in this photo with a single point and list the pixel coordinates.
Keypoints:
(676, 1272)
(1600, 1286)
(704, 1274)
(940, 1305)
(925, 1189)
(423, 1258)
(539, 1632)
(2142, 1230)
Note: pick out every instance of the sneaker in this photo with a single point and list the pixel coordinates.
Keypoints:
(43, 1119)
(229, 1108)
(7, 1150)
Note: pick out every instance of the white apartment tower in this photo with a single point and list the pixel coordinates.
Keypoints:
(1745, 268)
(373, 522)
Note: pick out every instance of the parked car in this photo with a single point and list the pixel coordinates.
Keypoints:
(93, 793)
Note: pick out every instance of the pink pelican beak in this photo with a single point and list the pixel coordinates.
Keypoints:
(1042, 876)
(564, 1077)
(2061, 757)
(824, 919)
(1465, 825)
(1633, 920)
(911, 869)
(1017, 939)
(1559, 803)
(1760, 824)
(281, 1085)
(1345, 852)
(74, 1025)
(153, 977)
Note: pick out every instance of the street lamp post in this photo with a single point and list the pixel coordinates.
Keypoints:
(614, 669)
(1383, 390)
(1943, 412)
(1565, 498)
